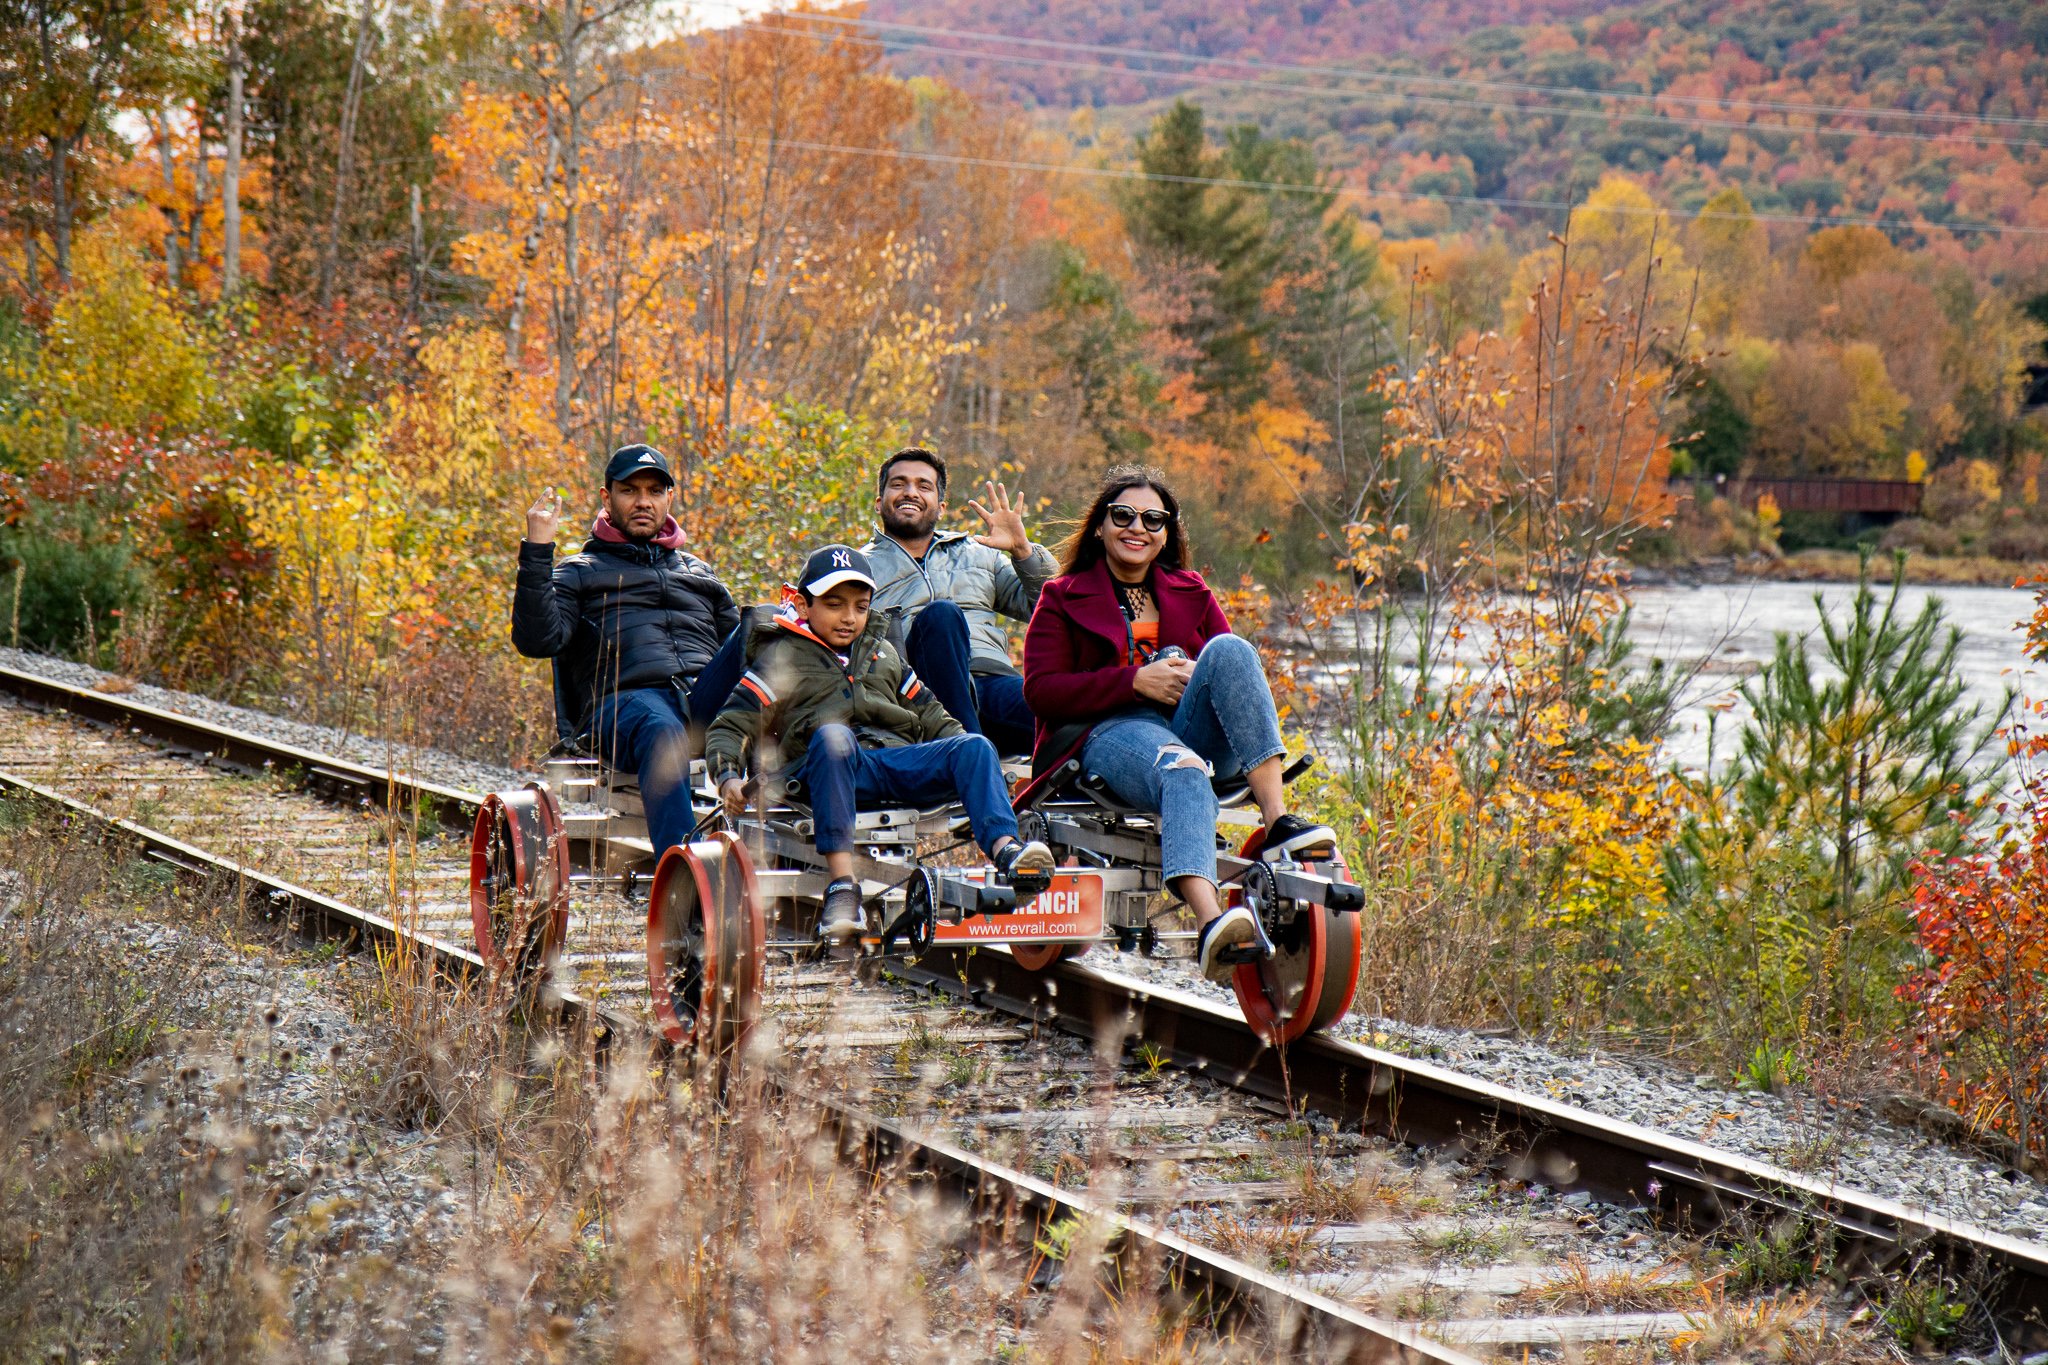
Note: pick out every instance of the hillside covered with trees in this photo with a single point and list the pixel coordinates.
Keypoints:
(1912, 111)
(1858, 192)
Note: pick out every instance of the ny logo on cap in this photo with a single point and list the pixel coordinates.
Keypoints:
(840, 560)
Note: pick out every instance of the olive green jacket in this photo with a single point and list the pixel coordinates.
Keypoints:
(795, 683)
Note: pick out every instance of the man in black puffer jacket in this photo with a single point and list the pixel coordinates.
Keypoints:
(645, 638)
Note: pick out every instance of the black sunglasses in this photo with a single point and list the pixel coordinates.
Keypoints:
(1122, 514)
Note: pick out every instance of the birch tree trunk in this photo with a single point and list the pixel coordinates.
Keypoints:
(170, 171)
(231, 171)
(344, 165)
(60, 206)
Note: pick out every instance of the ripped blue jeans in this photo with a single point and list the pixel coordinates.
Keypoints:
(1224, 725)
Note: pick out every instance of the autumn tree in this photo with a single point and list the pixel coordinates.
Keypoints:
(1733, 255)
(61, 67)
(1211, 237)
(1327, 295)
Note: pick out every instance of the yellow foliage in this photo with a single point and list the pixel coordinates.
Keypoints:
(348, 562)
(474, 427)
(1980, 477)
(902, 355)
(1733, 258)
(400, 539)
(1281, 467)
(1877, 410)
(1916, 467)
(1615, 236)
(1839, 253)
(117, 354)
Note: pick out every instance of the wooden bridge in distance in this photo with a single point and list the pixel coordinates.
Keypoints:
(1877, 499)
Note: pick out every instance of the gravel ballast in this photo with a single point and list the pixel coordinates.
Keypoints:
(431, 765)
(1847, 1143)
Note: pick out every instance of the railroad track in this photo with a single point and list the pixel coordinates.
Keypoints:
(1321, 1195)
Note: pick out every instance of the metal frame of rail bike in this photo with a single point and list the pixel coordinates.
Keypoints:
(1306, 967)
(713, 902)
(716, 905)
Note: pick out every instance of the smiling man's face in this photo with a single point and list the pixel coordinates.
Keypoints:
(911, 500)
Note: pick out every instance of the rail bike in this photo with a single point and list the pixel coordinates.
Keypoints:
(738, 890)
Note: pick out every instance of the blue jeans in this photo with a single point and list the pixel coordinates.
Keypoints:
(1224, 725)
(839, 777)
(991, 704)
(648, 731)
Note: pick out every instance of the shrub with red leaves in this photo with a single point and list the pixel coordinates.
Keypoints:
(1980, 1005)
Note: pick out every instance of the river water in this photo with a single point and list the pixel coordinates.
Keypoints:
(1720, 634)
(1729, 630)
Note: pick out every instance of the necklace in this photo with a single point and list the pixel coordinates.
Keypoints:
(1133, 597)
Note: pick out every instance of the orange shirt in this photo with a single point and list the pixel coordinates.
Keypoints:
(1144, 639)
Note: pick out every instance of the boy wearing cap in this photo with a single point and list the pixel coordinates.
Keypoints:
(828, 701)
(644, 637)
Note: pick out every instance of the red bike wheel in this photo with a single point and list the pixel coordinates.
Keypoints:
(1309, 981)
(705, 945)
(519, 882)
(1039, 957)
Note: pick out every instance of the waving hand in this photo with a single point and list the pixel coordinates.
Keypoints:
(1005, 518)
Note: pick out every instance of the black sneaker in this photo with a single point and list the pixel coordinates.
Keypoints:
(1232, 937)
(1026, 867)
(1292, 839)
(840, 918)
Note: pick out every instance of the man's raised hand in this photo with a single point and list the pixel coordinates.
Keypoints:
(544, 518)
(1005, 520)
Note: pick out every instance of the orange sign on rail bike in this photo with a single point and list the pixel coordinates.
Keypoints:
(1072, 908)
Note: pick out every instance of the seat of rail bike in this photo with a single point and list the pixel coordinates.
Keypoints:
(905, 825)
(1071, 784)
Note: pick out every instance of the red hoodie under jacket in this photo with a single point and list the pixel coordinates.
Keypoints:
(1074, 651)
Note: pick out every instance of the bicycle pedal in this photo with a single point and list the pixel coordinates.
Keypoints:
(1029, 884)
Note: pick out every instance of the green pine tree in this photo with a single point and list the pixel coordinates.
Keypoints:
(1210, 247)
(1861, 764)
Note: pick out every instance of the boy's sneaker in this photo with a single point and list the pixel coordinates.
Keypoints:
(840, 918)
(1026, 867)
(1293, 839)
(1232, 937)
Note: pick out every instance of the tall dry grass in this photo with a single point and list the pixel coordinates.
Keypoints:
(156, 1203)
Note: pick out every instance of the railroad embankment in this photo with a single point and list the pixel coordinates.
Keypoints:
(217, 1143)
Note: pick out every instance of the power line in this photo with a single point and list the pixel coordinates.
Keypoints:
(1368, 193)
(1344, 191)
(805, 30)
(1379, 74)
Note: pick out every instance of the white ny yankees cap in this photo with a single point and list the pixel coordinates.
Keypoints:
(835, 564)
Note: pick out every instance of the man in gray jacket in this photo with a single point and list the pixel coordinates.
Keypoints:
(949, 592)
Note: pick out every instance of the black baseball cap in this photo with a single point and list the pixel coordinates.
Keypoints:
(835, 564)
(627, 461)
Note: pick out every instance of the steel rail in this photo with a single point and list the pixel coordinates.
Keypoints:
(323, 773)
(1543, 1141)
(1300, 1322)
(1560, 1145)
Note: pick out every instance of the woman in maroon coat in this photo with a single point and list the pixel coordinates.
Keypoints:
(1130, 665)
